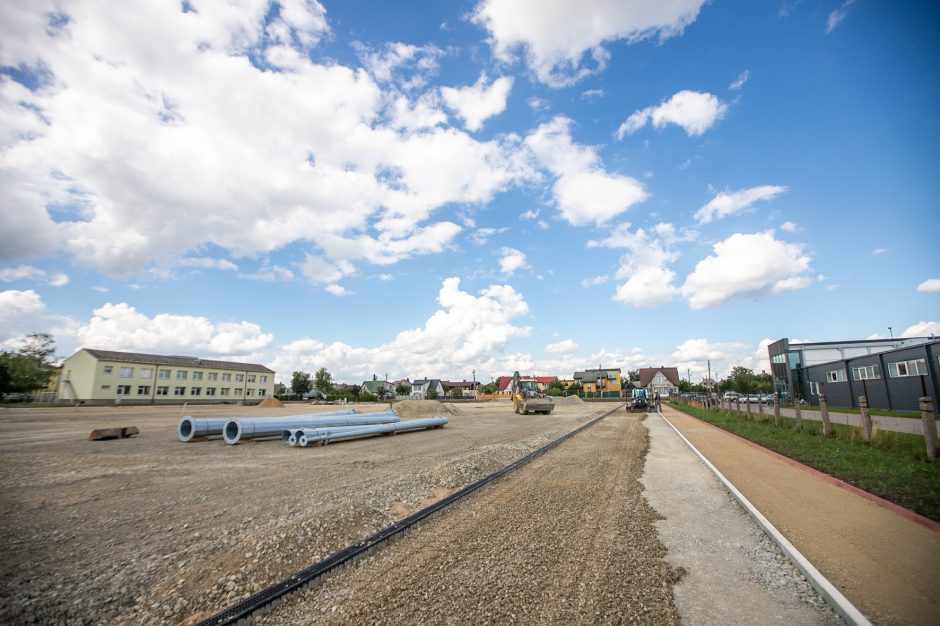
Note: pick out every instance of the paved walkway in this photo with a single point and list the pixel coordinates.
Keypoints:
(887, 565)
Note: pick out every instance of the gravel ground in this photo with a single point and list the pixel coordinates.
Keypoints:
(567, 539)
(149, 530)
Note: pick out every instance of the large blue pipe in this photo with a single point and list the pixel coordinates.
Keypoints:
(247, 428)
(326, 435)
(190, 427)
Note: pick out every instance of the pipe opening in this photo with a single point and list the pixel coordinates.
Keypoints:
(231, 431)
(186, 428)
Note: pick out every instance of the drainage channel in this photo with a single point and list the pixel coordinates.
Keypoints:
(277, 591)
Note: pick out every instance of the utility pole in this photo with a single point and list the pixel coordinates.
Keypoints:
(890, 332)
(709, 374)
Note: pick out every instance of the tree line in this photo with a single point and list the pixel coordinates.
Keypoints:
(28, 368)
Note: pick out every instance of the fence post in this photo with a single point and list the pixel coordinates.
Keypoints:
(747, 407)
(798, 413)
(930, 427)
(866, 416)
(760, 407)
(776, 411)
(824, 414)
(738, 403)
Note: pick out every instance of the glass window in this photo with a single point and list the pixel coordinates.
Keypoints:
(212, 376)
(814, 388)
(251, 378)
(835, 376)
(916, 367)
(181, 374)
(223, 391)
(143, 390)
(162, 391)
(123, 390)
(262, 392)
(264, 379)
(105, 387)
(210, 391)
(146, 372)
(250, 392)
(195, 391)
(164, 374)
(197, 375)
(127, 372)
(178, 391)
(866, 372)
(107, 369)
(239, 378)
(226, 377)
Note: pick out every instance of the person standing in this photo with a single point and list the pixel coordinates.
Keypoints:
(657, 401)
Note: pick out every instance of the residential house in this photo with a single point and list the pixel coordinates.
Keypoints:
(601, 380)
(662, 380)
(505, 382)
(377, 388)
(420, 388)
(467, 387)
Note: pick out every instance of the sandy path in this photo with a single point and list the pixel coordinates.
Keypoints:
(887, 565)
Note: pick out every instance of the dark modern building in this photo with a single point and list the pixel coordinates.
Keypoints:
(892, 373)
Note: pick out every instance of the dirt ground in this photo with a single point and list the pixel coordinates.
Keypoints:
(150, 530)
(886, 565)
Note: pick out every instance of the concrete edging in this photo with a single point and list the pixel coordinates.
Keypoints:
(826, 589)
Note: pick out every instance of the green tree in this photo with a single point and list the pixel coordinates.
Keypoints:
(742, 379)
(30, 367)
(323, 381)
(431, 394)
(402, 389)
(455, 392)
(489, 388)
(633, 374)
(300, 383)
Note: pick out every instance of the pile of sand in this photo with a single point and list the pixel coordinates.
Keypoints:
(568, 400)
(270, 402)
(410, 409)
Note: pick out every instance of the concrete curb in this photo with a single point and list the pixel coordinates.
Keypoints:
(826, 589)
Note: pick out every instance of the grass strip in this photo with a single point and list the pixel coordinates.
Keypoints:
(893, 465)
(881, 412)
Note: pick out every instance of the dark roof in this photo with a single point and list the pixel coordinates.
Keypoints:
(178, 361)
(434, 381)
(648, 373)
(610, 373)
(460, 384)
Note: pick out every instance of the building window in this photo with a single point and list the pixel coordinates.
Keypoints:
(123, 390)
(164, 374)
(226, 377)
(916, 367)
(835, 376)
(146, 372)
(181, 374)
(143, 390)
(212, 376)
(210, 391)
(262, 392)
(264, 379)
(105, 387)
(250, 392)
(197, 375)
(127, 372)
(239, 378)
(107, 369)
(239, 391)
(178, 391)
(866, 372)
(162, 391)
(195, 391)
(814, 388)
(251, 378)
(223, 391)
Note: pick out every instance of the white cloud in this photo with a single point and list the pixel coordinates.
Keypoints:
(208, 263)
(836, 16)
(557, 35)
(703, 350)
(878, 251)
(100, 289)
(385, 277)
(28, 272)
(478, 102)
(538, 104)
(584, 191)
(468, 332)
(596, 280)
(694, 111)
(740, 80)
(481, 235)
(727, 203)
(356, 171)
(337, 290)
(19, 304)
(747, 266)
(511, 260)
(567, 346)
(531, 214)
(648, 279)
(592, 94)
(929, 285)
(411, 65)
(789, 227)
(318, 270)
(922, 329)
(121, 327)
(270, 274)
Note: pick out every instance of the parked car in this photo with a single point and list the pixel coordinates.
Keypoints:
(17, 397)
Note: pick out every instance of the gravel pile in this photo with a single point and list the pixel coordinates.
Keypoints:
(566, 539)
(411, 409)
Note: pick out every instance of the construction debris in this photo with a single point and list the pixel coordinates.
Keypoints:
(104, 434)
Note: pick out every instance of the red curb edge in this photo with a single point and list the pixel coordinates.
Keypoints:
(891, 506)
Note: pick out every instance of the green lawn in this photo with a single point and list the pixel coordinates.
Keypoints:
(882, 412)
(893, 466)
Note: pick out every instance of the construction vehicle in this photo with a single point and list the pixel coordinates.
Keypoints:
(639, 401)
(526, 397)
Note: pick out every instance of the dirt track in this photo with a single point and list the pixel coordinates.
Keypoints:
(150, 530)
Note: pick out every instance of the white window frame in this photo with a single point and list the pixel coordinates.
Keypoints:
(143, 390)
(226, 377)
(123, 390)
(195, 391)
(835, 376)
(126, 372)
(263, 379)
(911, 367)
(105, 387)
(866, 372)
(212, 376)
(163, 374)
(239, 378)
(107, 369)
(814, 387)
(146, 372)
(181, 374)
(163, 390)
(179, 391)
(197, 375)
(210, 391)
(224, 391)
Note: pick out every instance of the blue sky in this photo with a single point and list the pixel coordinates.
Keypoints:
(436, 189)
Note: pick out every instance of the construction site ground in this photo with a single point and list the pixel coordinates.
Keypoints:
(150, 530)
